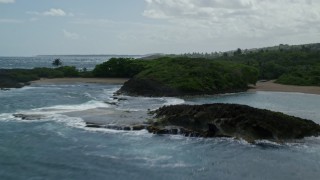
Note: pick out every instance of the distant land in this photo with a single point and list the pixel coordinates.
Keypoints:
(191, 73)
(91, 55)
(311, 46)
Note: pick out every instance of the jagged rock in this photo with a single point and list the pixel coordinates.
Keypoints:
(231, 120)
(127, 128)
(94, 125)
(119, 98)
(138, 127)
(29, 116)
(150, 88)
(111, 103)
(116, 126)
(122, 99)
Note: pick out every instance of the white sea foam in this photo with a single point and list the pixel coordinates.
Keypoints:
(6, 117)
(110, 92)
(26, 88)
(69, 121)
(68, 108)
(103, 130)
(173, 101)
(88, 95)
(55, 113)
(175, 165)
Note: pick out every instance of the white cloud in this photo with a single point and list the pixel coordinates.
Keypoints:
(51, 12)
(7, 1)
(249, 18)
(55, 12)
(70, 35)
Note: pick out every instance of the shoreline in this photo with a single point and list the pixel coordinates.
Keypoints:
(260, 86)
(274, 87)
(80, 80)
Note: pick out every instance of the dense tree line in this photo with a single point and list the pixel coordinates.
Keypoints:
(184, 74)
(296, 67)
(14, 78)
(119, 67)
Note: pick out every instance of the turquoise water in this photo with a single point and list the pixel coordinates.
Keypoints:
(58, 146)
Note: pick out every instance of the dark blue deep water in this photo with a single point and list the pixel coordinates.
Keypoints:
(58, 146)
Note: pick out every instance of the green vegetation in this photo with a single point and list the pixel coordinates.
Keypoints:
(181, 74)
(57, 62)
(196, 72)
(292, 65)
(15, 78)
(295, 67)
(119, 67)
(199, 75)
(186, 75)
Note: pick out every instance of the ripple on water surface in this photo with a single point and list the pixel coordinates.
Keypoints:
(60, 146)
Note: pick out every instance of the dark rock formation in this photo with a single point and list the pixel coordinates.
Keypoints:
(231, 120)
(146, 87)
(138, 127)
(29, 116)
(153, 88)
(117, 126)
(111, 103)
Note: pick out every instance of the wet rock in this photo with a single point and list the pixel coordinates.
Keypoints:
(114, 127)
(95, 125)
(111, 103)
(29, 116)
(119, 98)
(150, 88)
(231, 120)
(122, 99)
(127, 128)
(138, 127)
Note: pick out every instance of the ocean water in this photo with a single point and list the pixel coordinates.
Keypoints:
(79, 61)
(59, 146)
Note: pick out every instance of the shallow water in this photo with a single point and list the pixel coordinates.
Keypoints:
(60, 147)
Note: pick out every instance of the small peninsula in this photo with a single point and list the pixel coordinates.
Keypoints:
(181, 76)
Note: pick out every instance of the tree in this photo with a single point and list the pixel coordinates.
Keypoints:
(237, 52)
(57, 62)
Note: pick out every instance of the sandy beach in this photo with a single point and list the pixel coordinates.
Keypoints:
(80, 80)
(271, 86)
(260, 86)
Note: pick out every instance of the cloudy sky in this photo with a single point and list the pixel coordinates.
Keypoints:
(33, 27)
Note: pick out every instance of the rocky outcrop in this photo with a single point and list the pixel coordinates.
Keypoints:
(137, 127)
(30, 117)
(153, 88)
(146, 87)
(231, 120)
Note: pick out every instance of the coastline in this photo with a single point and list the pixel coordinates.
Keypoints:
(260, 86)
(80, 80)
(272, 86)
